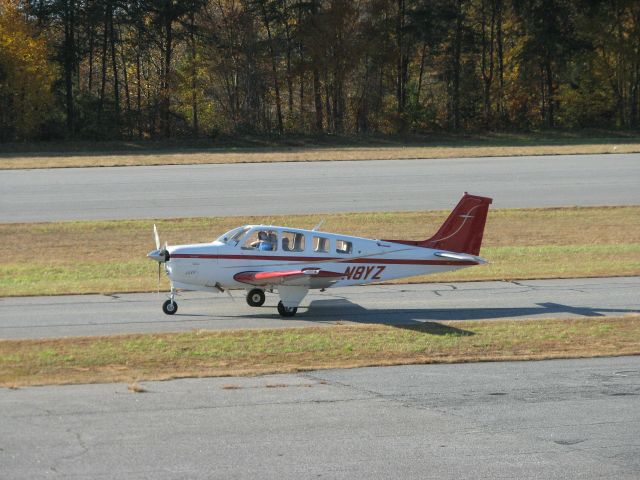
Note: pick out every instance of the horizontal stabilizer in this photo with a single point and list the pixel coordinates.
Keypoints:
(461, 256)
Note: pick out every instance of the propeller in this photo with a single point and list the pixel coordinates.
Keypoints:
(160, 255)
(157, 237)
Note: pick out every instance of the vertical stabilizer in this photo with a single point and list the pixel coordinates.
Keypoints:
(462, 231)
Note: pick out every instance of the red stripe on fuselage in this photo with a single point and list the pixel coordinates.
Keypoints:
(280, 258)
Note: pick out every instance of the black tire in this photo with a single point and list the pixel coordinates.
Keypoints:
(286, 311)
(170, 307)
(255, 298)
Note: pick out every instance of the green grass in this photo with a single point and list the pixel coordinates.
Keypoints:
(552, 261)
(133, 358)
(110, 256)
(507, 263)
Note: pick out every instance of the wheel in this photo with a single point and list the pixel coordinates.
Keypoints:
(255, 298)
(170, 307)
(286, 311)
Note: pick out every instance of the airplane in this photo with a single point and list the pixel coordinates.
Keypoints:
(292, 261)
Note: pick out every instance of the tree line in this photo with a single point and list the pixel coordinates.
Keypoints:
(114, 69)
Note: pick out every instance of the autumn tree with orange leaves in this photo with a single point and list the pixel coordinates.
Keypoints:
(118, 69)
(26, 76)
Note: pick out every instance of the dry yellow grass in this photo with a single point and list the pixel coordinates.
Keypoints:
(136, 388)
(13, 161)
(110, 256)
(132, 358)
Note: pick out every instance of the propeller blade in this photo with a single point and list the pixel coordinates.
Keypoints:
(155, 234)
(158, 278)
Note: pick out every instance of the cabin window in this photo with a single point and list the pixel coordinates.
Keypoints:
(238, 236)
(344, 247)
(321, 244)
(262, 240)
(234, 236)
(292, 242)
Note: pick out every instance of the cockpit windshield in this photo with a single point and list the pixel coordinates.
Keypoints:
(232, 237)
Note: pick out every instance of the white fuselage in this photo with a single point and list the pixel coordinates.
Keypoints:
(212, 266)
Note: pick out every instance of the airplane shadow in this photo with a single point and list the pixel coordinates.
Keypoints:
(342, 309)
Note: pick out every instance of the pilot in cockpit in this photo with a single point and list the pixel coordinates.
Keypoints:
(263, 242)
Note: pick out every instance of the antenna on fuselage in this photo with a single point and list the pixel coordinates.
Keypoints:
(317, 226)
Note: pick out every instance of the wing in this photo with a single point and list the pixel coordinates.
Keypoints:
(307, 277)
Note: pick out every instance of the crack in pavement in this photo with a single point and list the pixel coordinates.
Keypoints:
(84, 449)
(195, 409)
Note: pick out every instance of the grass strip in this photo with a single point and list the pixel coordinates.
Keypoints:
(110, 256)
(131, 358)
(204, 156)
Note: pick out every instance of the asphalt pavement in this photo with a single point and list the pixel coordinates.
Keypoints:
(527, 420)
(315, 187)
(563, 419)
(80, 315)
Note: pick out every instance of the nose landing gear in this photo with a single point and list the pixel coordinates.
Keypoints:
(170, 306)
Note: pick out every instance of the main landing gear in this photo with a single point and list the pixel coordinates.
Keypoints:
(170, 306)
(255, 297)
(286, 311)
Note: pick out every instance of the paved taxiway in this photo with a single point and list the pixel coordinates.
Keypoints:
(562, 419)
(78, 315)
(289, 188)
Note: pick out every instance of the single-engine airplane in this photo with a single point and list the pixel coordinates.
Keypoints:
(291, 261)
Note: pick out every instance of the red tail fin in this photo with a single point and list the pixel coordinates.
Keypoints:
(462, 231)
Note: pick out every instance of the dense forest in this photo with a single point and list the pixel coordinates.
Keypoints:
(117, 69)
